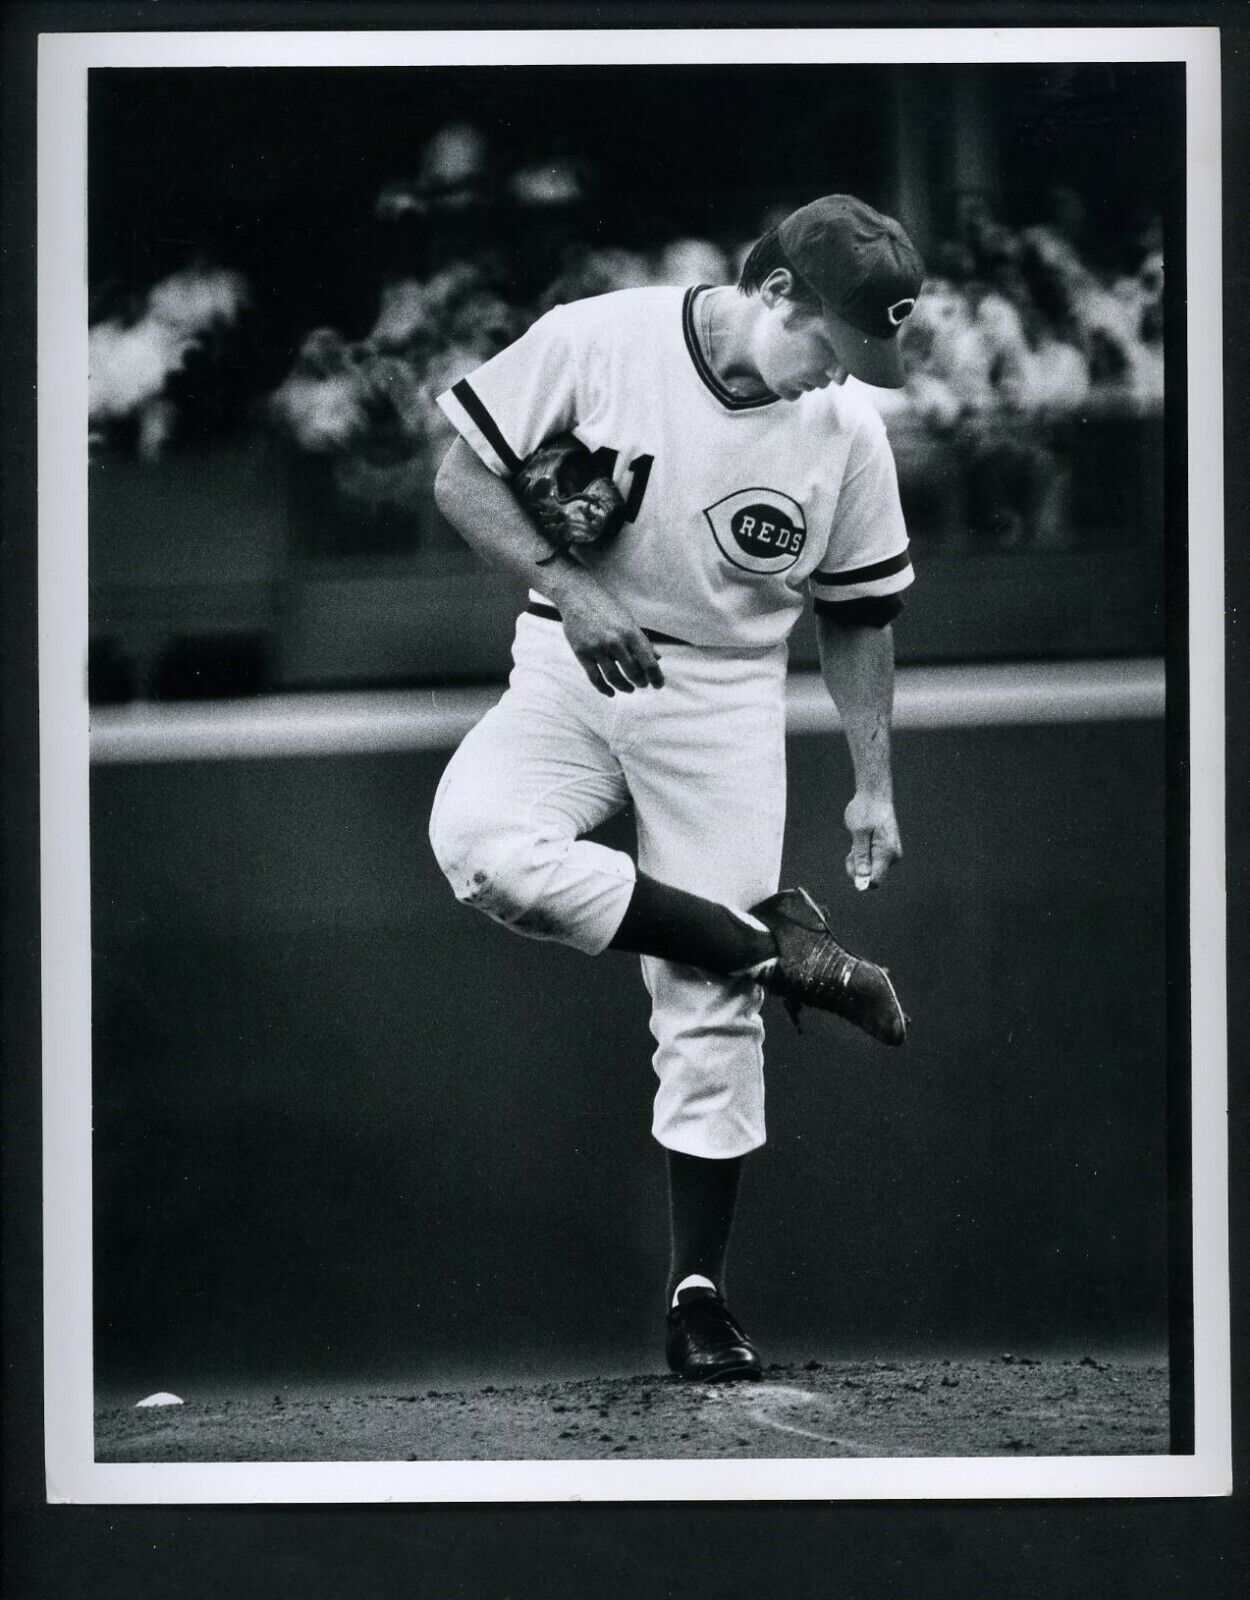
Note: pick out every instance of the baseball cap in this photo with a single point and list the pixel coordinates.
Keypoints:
(868, 275)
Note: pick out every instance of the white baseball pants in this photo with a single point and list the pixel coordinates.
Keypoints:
(703, 762)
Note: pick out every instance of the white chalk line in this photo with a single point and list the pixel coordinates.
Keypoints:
(765, 1403)
(375, 721)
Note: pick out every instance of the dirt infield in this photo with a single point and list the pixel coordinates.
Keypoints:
(1007, 1405)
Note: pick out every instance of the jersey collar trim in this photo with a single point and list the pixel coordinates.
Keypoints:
(726, 396)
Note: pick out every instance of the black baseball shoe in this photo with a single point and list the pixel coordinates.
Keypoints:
(812, 969)
(705, 1342)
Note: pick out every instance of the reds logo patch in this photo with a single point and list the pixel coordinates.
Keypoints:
(758, 530)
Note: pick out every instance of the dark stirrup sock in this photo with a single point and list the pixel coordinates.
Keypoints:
(667, 922)
(702, 1197)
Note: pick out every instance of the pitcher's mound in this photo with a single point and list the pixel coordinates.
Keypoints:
(1007, 1405)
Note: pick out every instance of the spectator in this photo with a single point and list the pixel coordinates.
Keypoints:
(692, 261)
(454, 167)
(588, 272)
(341, 397)
(132, 356)
(1054, 375)
(547, 183)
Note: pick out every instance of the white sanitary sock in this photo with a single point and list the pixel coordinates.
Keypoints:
(696, 1280)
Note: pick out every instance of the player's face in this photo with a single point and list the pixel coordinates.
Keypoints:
(793, 350)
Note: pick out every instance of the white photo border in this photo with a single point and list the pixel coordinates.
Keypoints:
(73, 1476)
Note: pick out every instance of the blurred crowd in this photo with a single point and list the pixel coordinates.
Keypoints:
(140, 343)
(1015, 319)
(1015, 341)
(1015, 325)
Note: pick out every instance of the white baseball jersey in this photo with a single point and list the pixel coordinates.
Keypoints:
(734, 507)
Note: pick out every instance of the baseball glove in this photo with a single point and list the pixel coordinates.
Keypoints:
(567, 497)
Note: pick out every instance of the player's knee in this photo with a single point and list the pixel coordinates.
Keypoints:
(463, 848)
(489, 867)
(460, 833)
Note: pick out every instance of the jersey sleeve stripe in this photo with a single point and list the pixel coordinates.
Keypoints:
(861, 575)
(486, 424)
(874, 610)
(894, 583)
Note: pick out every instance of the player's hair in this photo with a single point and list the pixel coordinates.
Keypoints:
(765, 256)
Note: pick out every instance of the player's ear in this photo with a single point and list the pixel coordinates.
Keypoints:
(777, 286)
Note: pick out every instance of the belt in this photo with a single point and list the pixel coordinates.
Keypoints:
(653, 634)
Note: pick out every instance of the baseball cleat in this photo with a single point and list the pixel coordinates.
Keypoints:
(812, 969)
(704, 1341)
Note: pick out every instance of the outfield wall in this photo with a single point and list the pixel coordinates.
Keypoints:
(344, 1125)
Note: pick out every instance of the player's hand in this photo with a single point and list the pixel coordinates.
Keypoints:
(875, 844)
(614, 651)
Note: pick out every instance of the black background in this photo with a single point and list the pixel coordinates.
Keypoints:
(1142, 1548)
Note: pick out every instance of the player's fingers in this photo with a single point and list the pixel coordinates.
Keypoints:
(615, 674)
(627, 658)
(886, 850)
(859, 862)
(591, 668)
(646, 664)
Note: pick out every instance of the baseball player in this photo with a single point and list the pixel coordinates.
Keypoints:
(649, 669)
